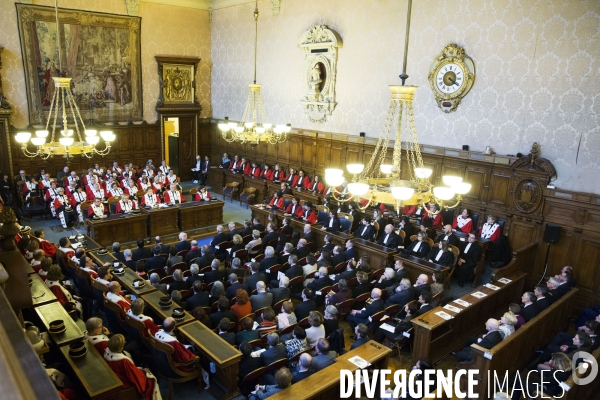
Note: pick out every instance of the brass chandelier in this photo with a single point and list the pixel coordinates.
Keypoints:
(379, 182)
(68, 144)
(253, 127)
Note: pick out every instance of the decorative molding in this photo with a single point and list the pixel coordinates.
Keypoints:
(198, 4)
(533, 162)
(27, 1)
(320, 45)
(275, 5)
(132, 7)
(209, 5)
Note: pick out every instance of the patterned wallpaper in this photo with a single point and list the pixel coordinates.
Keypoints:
(166, 30)
(538, 66)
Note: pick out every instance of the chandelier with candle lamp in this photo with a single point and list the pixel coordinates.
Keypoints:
(383, 182)
(64, 118)
(254, 126)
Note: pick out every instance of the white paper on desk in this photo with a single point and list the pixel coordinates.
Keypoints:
(280, 275)
(444, 315)
(257, 353)
(452, 308)
(462, 302)
(505, 280)
(479, 295)
(332, 277)
(75, 245)
(359, 362)
(387, 327)
(493, 287)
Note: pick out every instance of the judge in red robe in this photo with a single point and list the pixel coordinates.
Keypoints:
(125, 205)
(317, 186)
(65, 209)
(309, 216)
(254, 171)
(201, 195)
(301, 181)
(48, 248)
(150, 199)
(432, 220)
(294, 208)
(96, 334)
(98, 209)
(277, 201)
(279, 174)
(181, 354)
(128, 373)
(463, 222)
(114, 295)
(64, 297)
(490, 230)
(267, 173)
(235, 164)
(173, 196)
(136, 312)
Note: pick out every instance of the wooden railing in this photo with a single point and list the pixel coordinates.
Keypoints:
(522, 261)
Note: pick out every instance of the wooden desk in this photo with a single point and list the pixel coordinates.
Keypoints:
(325, 384)
(89, 243)
(196, 214)
(53, 311)
(259, 184)
(225, 356)
(161, 221)
(40, 293)
(100, 259)
(216, 180)
(379, 256)
(434, 337)
(30, 270)
(417, 266)
(96, 377)
(307, 196)
(118, 228)
(152, 299)
(126, 281)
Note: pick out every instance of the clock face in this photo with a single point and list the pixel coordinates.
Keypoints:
(450, 78)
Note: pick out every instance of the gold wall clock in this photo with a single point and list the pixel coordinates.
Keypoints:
(451, 77)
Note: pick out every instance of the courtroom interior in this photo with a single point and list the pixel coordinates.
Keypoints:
(231, 199)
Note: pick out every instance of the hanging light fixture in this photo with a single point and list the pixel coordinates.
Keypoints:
(254, 126)
(70, 142)
(379, 182)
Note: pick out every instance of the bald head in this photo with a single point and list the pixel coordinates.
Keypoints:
(376, 294)
(169, 324)
(492, 324)
(305, 361)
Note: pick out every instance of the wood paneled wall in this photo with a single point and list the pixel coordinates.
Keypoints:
(497, 187)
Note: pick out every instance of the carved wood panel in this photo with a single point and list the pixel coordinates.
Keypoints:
(522, 234)
(476, 177)
(323, 155)
(585, 254)
(295, 151)
(499, 188)
(338, 155)
(309, 151)
(354, 153)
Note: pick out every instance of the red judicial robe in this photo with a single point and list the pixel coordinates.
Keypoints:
(304, 183)
(488, 231)
(131, 375)
(173, 197)
(122, 207)
(150, 325)
(268, 175)
(48, 248)
(277, 202)
(255, 172)
(465, 224)
(201, 197)
(318, 187)
(310, 216)
(120, 300)
(437, 222)
(180, 353)
(150, 200)
(298, 211)
(100, 342)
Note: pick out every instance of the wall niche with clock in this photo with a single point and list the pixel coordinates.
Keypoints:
(451, 77)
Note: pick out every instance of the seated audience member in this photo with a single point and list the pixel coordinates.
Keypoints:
(423, 364)
(54, 280)
(404, 325)
(447, 235)
(167, 335)
(267, 324)
(441, 255)
(44, 268)
(298, 343)
(389, 238)
(330, 321)
(516, 310)
(565, 342)
(224, 333)
(156, 261)
(581, 342)
(223, 312)
(321, 281)
(283, 379)
(490, 230)
(155, 282)
(362, 316)
(247, 334)
(104, 275)
(316, 330)
(304, 368)
(286, 317)
(194, 275)
(216, 292)
(178, 282)
(424, 302)
(386, 279)
(303, 309)
(255, 277)
(365, 231)
(234, 285)
(248, 363)
(275, 352)
(282, 292)
(128, 256)
(200, 315)
(422, 284)
(215, 274)
(309, 268)
(199, 298)
(97, 334)
(143, 380)
(137, 312)
(256, 240)
(262, 298)
(488, 340)
(463, 222)
(362, 336)
(324, 357)
(541, 302)
(438, 283)
(363, 284)
(114, 295)
(344, 293)
(404, 293)
(178, 299)
(507, 324)
(242, 306)
(528, 311)
(419, 248)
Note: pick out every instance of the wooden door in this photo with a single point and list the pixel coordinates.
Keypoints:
(187, 146)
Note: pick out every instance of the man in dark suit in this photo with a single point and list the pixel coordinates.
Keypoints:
(257, 225)
(219, 238)
(363, 284)
(236, 268)
(141, 251)
(194, 252)
(214, 274)
(529, 310)
(199, 298)
(419, 248)
(247, 231)
(156, 261)
(202, 174)
(390, 238)
(309, 236)
(403, 294)
(155, 282)
(448, 236)
(117, 253)
(424, 303)
(399, 273)
(224, 333)
(338, 256)
(362, 316)
(247, 363)
(232, 231)
(194, 275)
(488, 340)
(332, 224)
(205, 258)
(256, 276)
(129, 263)
(275, 352)
(324, 357)
(282, 292)
(362, 336)
(542, 302)
(183, 244)
(271, 234)
(269, 260)
(321, 280)
(302, 250)
(234, 286)
(304, 369)
(328, 245)
(350, 253)
(422, 285)
(293, 271)
(223, 312)
(347, 274)
(467, 260)
(308, 304)
(164, 248)
(365, 231)
(262, 298)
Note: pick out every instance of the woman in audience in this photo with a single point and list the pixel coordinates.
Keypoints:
(330, 323)
(267, 325)
(441, 255)
(343, 294)
(246, 334)
(216, 292)
(238, 244)
(561, 367)
(54, 282)
(438, 283)
(32, 246)
(516, 310)
(173, 257)
(363, 284)
(274, 218)
(242, 306)
(581, 342)
(128, 373)
(298, 344)
(178, 282)
(386, 279)
(316, 330)
(309, 268)
(286, 317)
(140, 269)
(44, 268)
(325, 259)
(202, 316)
(283, 377)
(507, 324)
(410, 309)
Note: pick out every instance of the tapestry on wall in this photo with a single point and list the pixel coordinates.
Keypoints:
(101, 52)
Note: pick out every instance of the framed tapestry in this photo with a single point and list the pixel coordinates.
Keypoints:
(101, 52)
